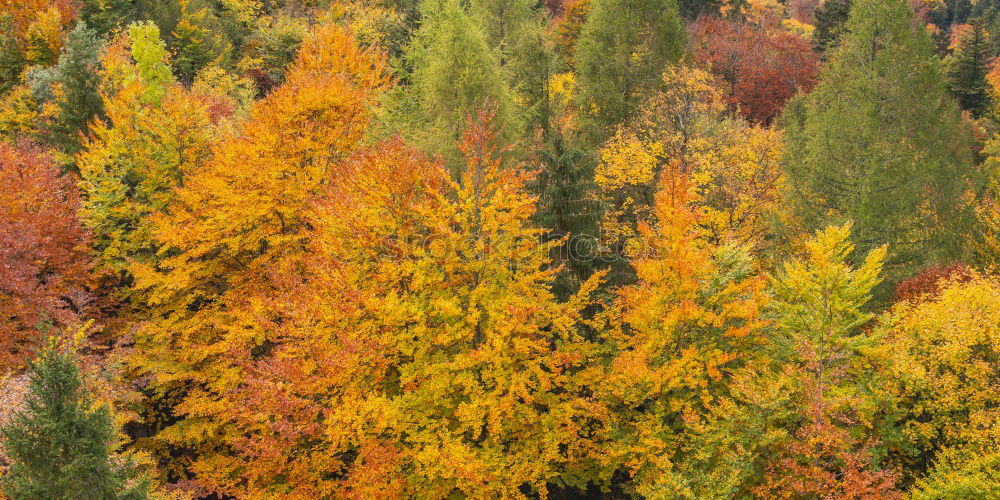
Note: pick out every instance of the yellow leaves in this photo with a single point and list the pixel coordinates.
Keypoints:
(44, 37)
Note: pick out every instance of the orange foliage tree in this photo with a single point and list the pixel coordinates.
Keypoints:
(425, 353)
(234, 226)
(763, 69)
(43, 250)
(675, 339)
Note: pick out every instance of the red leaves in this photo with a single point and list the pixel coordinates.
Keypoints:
(928, 283)
(44, 263)
(764, 69)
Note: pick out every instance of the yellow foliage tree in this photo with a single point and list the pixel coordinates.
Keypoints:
(732, 165)
(425, 354)
(676, 339)
(938, 362)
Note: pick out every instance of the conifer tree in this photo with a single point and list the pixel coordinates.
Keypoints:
(77, 76)
(831, 17)
(623, 49)
(881, 143)
(11, 55)
(967, 71)
(453, 72)
(58, 444)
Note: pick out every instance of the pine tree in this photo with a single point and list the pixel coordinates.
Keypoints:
(621, 55)
(881, 143)
(106, 15)
(831, 17)
(77, 75)
(967, 71)
(58, 444)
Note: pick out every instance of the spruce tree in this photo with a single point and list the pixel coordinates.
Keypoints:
(58, 444)
(77, 74)
(967, 69)
(880, 142)
(831, 17)
(623, 49)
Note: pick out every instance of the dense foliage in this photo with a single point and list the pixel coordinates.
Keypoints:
(499, 249)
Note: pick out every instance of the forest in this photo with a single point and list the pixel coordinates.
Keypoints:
(541, 249)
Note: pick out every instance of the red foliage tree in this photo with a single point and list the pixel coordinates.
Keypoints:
(763, 69)
(926, 285)
(825, 461)
(44, 251)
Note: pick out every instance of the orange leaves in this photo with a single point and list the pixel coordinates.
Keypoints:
(677, 335)
(43, 250)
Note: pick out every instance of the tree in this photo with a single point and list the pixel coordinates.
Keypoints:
(444, 364)
(820, 304)
(12, 61)
(453, 72)
(78, 100)
(233, 225)
(959, 474)
(937, 371)
(903, 171)
(734, 166)
(197, 46)
(150, 55)
(131, 165)
(59, 445)
(623, 49)
(43, 250)
(831, 18)
(819, 308)
(675, 340)
(967, 70)
(763, 69)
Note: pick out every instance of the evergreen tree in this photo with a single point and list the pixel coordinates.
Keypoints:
(77, 74)
(58, 445)
(967, 71)
(106, 15)
(881, 143)
(11, 56)
(831, 17)
(453, 72)
(624, 48)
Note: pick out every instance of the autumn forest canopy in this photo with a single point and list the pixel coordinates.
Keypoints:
(446, 249)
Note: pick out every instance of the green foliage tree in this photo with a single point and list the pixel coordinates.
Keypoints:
(623, 49)
(881, 143)
(77, 76)
(453, 72)
(195, 42)
(106, 15)
(831, 16)
(58, 444)
(11, 55)
(150, 54)
(967, 69)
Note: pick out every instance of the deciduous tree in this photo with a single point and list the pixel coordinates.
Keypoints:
(43, 250)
